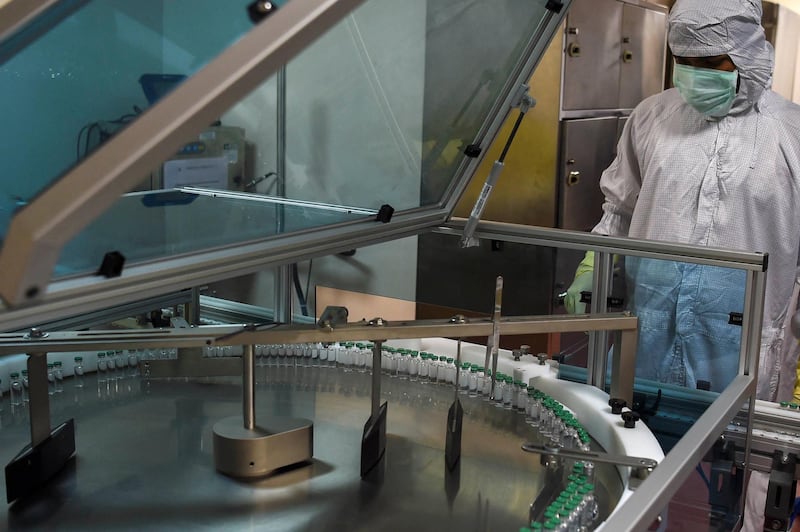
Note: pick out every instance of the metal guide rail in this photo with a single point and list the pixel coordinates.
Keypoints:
(248, 334)
(775, 428)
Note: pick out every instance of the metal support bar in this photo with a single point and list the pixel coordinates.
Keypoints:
(598, 340)
(13, 343)
(750, 348)
(580, 240)
(623, 364)
(39, 398)
(283, 278)
(373, 441)
(493, 345)
(376, 378)
(640, 467)
(23, 21)
(192, 307)
(249, 387)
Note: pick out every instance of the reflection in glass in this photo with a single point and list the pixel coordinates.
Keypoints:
(79, 84)
(144, 226)
(687, 334)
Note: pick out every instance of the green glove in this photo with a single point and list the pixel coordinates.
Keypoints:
(581, 283)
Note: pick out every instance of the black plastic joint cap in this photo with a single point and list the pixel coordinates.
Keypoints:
(630, 418)
(617, 405)
(260, 9)
(554, 5)
(704, 385)
(385, 213)
(112, 264)
(472, 151)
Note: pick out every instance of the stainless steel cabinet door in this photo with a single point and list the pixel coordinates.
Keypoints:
(587, 149)
(591, 56)
(644, 48)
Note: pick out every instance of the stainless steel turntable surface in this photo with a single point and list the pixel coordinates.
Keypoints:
(144, 459)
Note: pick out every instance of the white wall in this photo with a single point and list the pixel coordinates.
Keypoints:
(786, 80)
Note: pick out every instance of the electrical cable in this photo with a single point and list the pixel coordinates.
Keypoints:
(103, 132)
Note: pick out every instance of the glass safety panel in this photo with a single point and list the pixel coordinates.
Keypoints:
(352, 123)
(72, 78)
(381, 108)
(147, 225)
(689, 339)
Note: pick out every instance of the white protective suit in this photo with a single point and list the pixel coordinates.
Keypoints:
(731, 183)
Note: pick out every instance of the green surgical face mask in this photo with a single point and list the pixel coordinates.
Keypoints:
(709, 91)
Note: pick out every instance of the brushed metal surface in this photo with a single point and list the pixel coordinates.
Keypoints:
(643, 74)
(271, 444)
(591, 78)
(144, 459)
(588, 147)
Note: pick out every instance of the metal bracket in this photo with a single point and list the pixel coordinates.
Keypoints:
(373, 441)
(522, 99)
(640, 467)
(725, 485)
(780, 492)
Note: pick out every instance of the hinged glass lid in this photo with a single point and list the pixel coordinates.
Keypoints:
(116, 107)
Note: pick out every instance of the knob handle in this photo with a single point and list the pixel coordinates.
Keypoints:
(617, 405)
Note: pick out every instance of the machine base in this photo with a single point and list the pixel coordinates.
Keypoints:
(275, 442)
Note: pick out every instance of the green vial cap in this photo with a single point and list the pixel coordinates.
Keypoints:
(78, 359)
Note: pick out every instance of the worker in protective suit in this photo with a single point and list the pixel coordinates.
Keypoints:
(713, 162)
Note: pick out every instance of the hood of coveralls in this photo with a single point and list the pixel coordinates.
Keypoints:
(702, 28)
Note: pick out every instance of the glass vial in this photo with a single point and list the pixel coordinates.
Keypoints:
(78, 371)
(58, 376)
(17, 392)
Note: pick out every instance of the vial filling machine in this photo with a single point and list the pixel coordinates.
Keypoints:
(354, 128)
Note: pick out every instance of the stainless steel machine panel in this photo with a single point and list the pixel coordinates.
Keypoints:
(592, 51)
(644, 37)
(587, 150)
